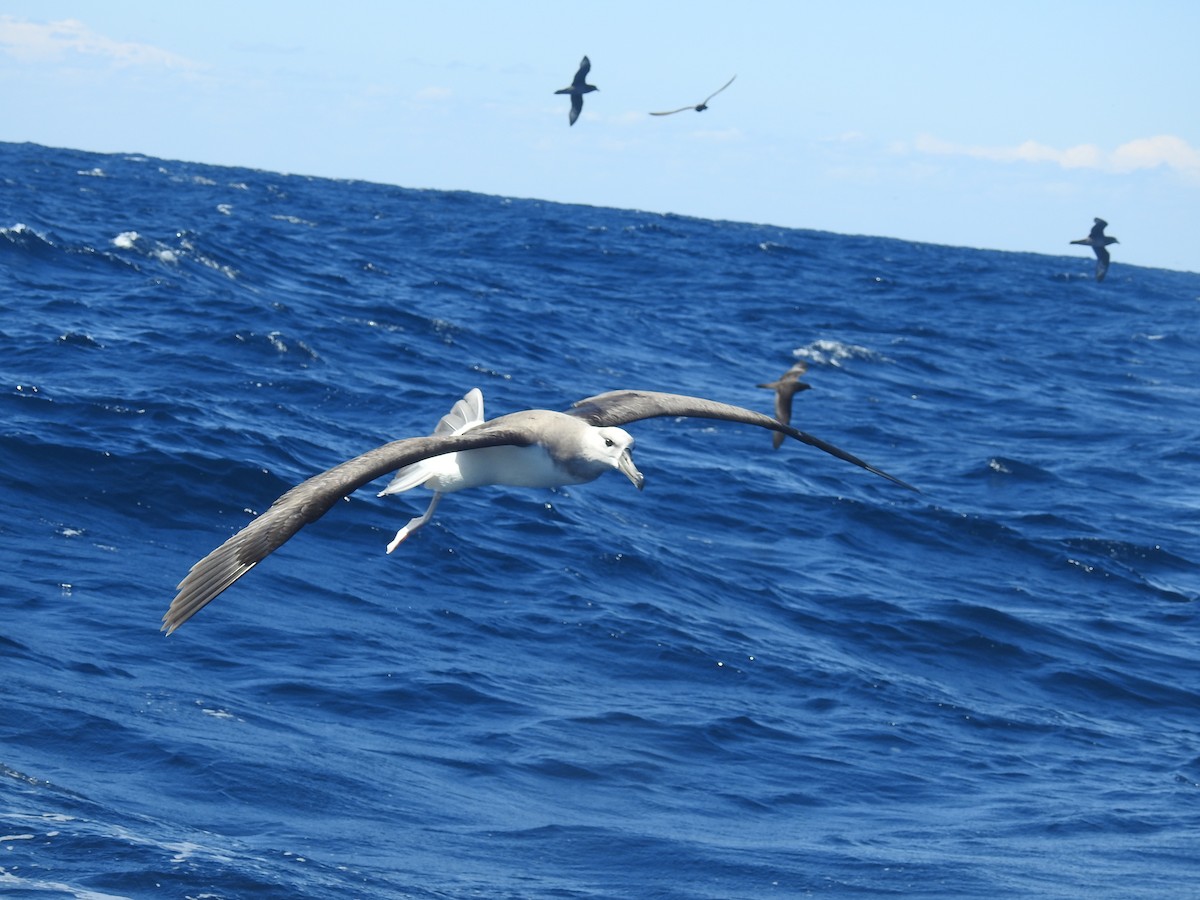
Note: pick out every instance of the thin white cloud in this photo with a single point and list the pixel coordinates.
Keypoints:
(720, 136)
(1164, 150)
(433, 94)
(846, 137)
(630, 117)
(55, 41)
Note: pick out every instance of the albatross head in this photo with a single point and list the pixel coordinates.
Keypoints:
(613, 447)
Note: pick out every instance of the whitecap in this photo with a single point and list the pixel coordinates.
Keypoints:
(58, 887)
(826, 352)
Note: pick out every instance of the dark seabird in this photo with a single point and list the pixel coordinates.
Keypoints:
(701, 107)
(531, 448)
(785, 388)
(578, 88)
(1099, 242)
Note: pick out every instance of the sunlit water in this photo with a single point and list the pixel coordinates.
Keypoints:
(771, 674)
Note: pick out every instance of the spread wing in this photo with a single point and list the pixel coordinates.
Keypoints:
(576, 107)
(622, 407)
(698, 106)
(306, 503)
(717, 91)
(1097, 232)
(585, 66)
(1102, 258)
(785, 388)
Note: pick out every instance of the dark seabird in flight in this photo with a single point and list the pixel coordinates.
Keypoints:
(531, 448)
(785, 388)
(700, 107)
(1099, 242)
(578, 88)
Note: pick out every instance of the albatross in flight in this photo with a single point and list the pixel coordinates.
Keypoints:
(578, 88)
(531, 448)
(786, 387)
(701, 107)
(1099, 242)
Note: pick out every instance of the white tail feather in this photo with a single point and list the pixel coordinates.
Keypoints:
(463, 416)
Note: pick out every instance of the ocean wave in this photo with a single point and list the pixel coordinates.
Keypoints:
(768, 672)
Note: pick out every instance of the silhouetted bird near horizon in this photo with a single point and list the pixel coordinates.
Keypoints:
(700, 107)
(578, 88)
(1099, 242)
(785, 388)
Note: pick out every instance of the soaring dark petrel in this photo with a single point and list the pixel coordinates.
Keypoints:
(1099, 242)
(785, 388)
(531, 448)
(700, 107)
(578, 88)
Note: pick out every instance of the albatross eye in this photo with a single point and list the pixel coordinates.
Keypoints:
(608, 442)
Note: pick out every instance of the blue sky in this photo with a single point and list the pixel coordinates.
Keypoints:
(1005, 126)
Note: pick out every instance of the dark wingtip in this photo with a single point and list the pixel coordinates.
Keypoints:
(841, 454)
(891, 478)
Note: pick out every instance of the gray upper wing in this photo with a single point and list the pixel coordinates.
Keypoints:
(306, 503)
(622, 407)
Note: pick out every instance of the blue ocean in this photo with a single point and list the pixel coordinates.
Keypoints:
(769, 674)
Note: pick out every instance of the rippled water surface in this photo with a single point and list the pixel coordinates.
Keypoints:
(769, 674)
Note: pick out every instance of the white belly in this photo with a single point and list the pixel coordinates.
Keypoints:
(516, 466)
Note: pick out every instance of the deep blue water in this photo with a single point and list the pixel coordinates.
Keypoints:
(769, 675)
